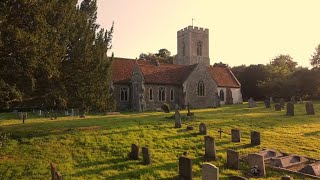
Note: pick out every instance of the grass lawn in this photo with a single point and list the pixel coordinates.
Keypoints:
(97, 147)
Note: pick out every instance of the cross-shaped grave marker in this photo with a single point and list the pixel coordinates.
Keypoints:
(220, 131)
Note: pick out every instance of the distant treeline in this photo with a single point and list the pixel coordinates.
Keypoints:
(53, 54)
(280, 78)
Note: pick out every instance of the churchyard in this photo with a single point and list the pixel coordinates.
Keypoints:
(101, 147)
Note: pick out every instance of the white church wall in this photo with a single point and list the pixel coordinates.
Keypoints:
(236, 95)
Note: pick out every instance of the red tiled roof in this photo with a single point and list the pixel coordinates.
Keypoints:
(163, 74)
(223, 77)
(166, 73)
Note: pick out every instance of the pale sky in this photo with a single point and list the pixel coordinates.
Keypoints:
(240, 32)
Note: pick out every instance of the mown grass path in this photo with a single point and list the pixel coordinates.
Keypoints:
(97, 147)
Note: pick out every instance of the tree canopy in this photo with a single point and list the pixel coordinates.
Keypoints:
(53, 55)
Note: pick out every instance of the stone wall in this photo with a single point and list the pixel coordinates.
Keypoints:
(190, 87)
(122, 105)
(156, 103)
(236, 95)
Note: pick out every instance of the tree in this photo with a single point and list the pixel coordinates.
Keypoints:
(163, 56)
(315, 59)
(284, 62)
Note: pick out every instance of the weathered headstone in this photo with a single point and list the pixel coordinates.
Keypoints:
(72, 112)
(235, 135)
(210, 148)
(290, 109)
(202, 129)
(217, 100)
(277, 107)
(177, 118)
(282, 103)
(237, 178)
(39, 113)
(256, 160)
(252, 103)
(134, 154)
(271, 100)
(210, 172)
(233, 161)
(255, 138)
(310, 108)
(286, 177)
(146, 156)
(293, 99)
(185, 168)
(267, 103)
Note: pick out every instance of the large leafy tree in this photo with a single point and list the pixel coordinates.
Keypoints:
(315, 59)
(163, 56)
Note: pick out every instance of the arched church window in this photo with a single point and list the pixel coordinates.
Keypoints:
(183, 49)
(150, 94)
(124, 94)
(162, 94)
(221, 95)
(201, 88)
(199, 48)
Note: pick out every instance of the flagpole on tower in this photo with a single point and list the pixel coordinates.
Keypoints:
(192, 21)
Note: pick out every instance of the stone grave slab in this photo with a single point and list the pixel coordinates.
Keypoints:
(210, 172)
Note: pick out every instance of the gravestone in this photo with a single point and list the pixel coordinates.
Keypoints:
(39, 113)
(293, 99)
(256, 160)
(277, 107)
(146, 156)
(220, 132)
(267, 103)
(252, 103)
(290, 109)
(202, 129)
(271, 100)
(210, 148)
(177, 118)
(55, 175)
(66, 113)
(310, 108)
(190, 128)
(286, 177)
(255, 138)
(210, 172)
(217, 100)
(24, 117)
(134, 154)
(237, 178)
(72, 112)
(300, 100)
(282, 103)
(233, 161)
(235, 135)
(185, 168)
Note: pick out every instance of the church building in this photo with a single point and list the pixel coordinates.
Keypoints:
(146, 85)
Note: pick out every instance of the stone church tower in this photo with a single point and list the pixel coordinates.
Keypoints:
(193, 46)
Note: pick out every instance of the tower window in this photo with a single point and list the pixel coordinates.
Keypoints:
(162, 94)
(201, 88)
(199, 48)
(221, 95)
(171, 95)
(124, 94)
(150, 94)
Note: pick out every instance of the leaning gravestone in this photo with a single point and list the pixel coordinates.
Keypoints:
(210, 148)
(235, 135)
(210, 172)
(252, 103)
(185, 168)
(290, 109)
(256, 160)
(282, 103)
(267, 103)
(202, 129)
(233, 161)
(177, 118)
(134, 154)
(146, 156)
(277, 107)
(310, 108)
(255, 138)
